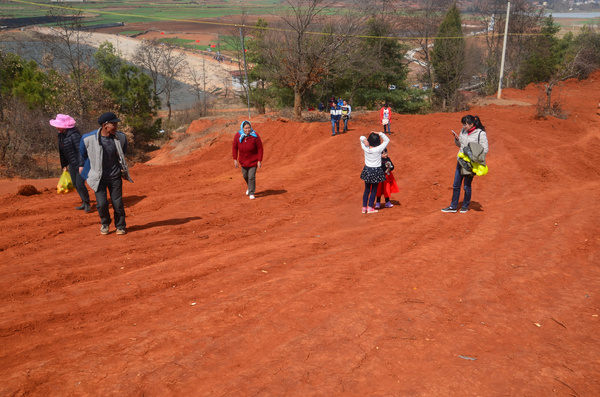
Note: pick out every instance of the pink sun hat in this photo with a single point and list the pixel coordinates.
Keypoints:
(63, 121)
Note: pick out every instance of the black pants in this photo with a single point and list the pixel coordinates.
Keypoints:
(115, 188)
(79, 183)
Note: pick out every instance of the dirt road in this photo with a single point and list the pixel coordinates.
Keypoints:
(299, 294)
(217, 73)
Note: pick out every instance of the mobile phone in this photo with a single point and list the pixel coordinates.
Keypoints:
(455, 135)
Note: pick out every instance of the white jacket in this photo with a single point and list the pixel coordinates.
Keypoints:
(477, 136)
(373, 155)
(91, 148)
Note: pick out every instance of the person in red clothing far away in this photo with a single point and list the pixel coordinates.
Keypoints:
(385, 118)
(248, 153)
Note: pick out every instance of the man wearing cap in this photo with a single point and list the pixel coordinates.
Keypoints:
(68, 148)
(105, 148)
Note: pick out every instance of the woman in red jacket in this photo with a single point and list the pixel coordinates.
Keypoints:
(248, 152)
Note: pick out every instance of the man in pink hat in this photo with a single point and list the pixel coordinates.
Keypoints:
(68, 148)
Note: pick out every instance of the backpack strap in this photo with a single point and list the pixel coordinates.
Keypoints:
(124, 169)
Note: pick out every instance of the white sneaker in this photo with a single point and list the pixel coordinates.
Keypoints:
(246, 192)
(252, 197)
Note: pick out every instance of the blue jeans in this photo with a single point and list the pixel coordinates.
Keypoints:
(346, 123)
(115, 188)
(335, 123)
(458, 178)
(388, 126)
(369, 194)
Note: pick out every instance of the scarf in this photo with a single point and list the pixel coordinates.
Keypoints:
(243, 135)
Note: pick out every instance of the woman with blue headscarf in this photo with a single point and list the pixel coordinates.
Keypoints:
(248, 153)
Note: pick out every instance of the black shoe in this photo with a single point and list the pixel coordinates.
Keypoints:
(464, 210)
(449, 209)
(88, 208)
(81, 207)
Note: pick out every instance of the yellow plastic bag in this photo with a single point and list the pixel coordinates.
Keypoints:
(480, 169)
(65, 184)
(464, 157)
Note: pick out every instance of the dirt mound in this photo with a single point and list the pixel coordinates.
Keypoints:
(27, 190)
(297, 293)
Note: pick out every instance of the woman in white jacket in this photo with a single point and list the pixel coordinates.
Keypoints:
(472, 131)
(372, 173)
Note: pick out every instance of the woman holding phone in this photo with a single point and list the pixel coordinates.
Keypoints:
(472, 131)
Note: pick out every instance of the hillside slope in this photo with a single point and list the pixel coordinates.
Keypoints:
(297, 293)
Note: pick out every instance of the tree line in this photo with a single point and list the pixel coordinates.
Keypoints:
(69, 79)
(310, 53)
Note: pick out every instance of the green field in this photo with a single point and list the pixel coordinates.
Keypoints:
(130, 32)
(138, 11)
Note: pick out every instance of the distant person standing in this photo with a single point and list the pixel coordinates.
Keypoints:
(247, 151)
(385, 117)
(68, 148)
(346, 110)
(336, 115)
(106, 148)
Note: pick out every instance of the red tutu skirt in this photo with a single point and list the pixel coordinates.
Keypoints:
(388, 187)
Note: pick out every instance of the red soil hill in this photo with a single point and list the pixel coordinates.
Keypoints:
(299, 294)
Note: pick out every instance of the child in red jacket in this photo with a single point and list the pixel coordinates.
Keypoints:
(248, 152)
(389, 186)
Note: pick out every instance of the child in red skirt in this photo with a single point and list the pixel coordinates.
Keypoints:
(389, 186)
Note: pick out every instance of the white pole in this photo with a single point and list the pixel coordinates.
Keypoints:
(503, 52)
(246, 71)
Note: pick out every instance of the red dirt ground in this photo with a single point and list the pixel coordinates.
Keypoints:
(299, 294)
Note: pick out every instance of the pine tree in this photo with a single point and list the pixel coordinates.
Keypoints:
(546, 53)
(448, 58)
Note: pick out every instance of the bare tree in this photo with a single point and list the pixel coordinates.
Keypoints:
(24, 134)
(234, 41)
(423, 24)
(198, 78)
(68, 43)
(164, 65)
(226, 80)
(573, 65)
(524, 19)
(306, 45)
